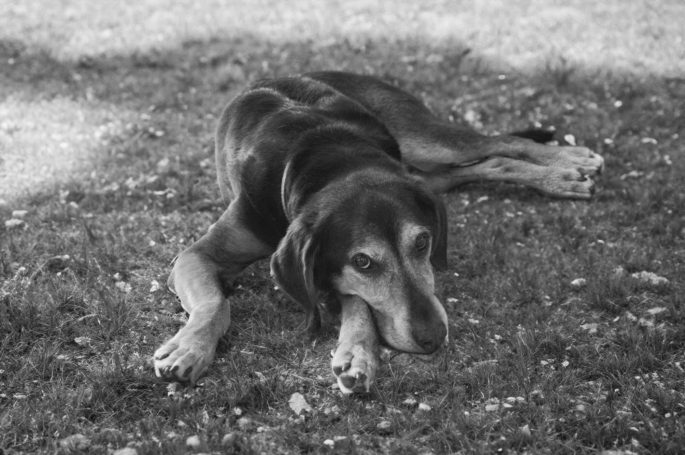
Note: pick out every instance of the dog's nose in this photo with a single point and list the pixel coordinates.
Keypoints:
(430, 339)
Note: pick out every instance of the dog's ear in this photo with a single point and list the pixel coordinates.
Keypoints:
(439, 251)
(292, 267)
(435, 208)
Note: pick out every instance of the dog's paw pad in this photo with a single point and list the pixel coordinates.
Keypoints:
(354, 382)
(355, 368)
(338, 369)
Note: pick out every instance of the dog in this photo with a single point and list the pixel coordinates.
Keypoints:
(335, 176)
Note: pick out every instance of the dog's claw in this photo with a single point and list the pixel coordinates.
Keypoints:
(183, 358)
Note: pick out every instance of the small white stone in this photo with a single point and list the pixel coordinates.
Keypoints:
(650, 277)
(591, 327)
(578, 282)
(126, 451)
(83, 341)
(194, 442)
(173, 389)
(657, 310)
(75, 442)
(244, 423)
(154, 286)
(410, 402)
(492, 407)
(299, 404)
(384, 425)
(14, 223)
(123, 286)
(19, 214)
(424, 407)
(228, 439)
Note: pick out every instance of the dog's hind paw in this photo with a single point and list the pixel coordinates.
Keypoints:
(354, 366)
(183, 358)
(581, 158)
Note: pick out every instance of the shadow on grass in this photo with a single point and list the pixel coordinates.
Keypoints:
(114, 114)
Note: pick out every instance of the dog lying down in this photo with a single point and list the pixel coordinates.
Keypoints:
(334, 176)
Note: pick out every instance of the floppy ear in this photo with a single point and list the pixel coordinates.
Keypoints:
(439, 249)
(433, 205)
(292, 267)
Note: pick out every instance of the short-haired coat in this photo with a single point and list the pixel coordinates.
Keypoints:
(335, 175)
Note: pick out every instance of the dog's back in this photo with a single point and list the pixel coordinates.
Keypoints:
(287, 120)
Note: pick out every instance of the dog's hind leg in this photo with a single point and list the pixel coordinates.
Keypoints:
(449, 155)
(197, 278)
(558, 182)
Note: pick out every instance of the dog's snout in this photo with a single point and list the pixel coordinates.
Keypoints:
(430, 339)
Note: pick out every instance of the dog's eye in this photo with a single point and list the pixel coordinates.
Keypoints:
(362, 261)
(422, 241)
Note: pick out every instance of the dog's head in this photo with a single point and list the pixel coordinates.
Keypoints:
(378, 243)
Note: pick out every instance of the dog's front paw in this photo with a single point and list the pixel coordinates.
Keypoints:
(184, 357)
(354, 366)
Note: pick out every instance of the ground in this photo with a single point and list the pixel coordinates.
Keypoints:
(566, 332)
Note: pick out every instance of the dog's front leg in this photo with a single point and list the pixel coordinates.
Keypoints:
(356, 358)
(195, 279)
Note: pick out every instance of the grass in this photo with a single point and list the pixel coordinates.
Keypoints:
(106, 121)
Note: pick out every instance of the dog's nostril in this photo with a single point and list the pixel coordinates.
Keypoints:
(429, 345)
(431, 340)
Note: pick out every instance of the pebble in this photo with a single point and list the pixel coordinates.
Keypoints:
(649, 277)
(194, 442)
(424, 407)
(14, 223)
(656, 310)
(591, 327)
(384, 425)
(245, 423)
(75, 442)
(126, 451)
(410, 402)
(228, 439)
(578, 282)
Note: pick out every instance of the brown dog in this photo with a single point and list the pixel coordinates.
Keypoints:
(334, 176)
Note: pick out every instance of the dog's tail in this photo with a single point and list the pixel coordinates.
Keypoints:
(536, 134)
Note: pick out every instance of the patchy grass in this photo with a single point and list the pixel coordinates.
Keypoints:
(106, 121)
